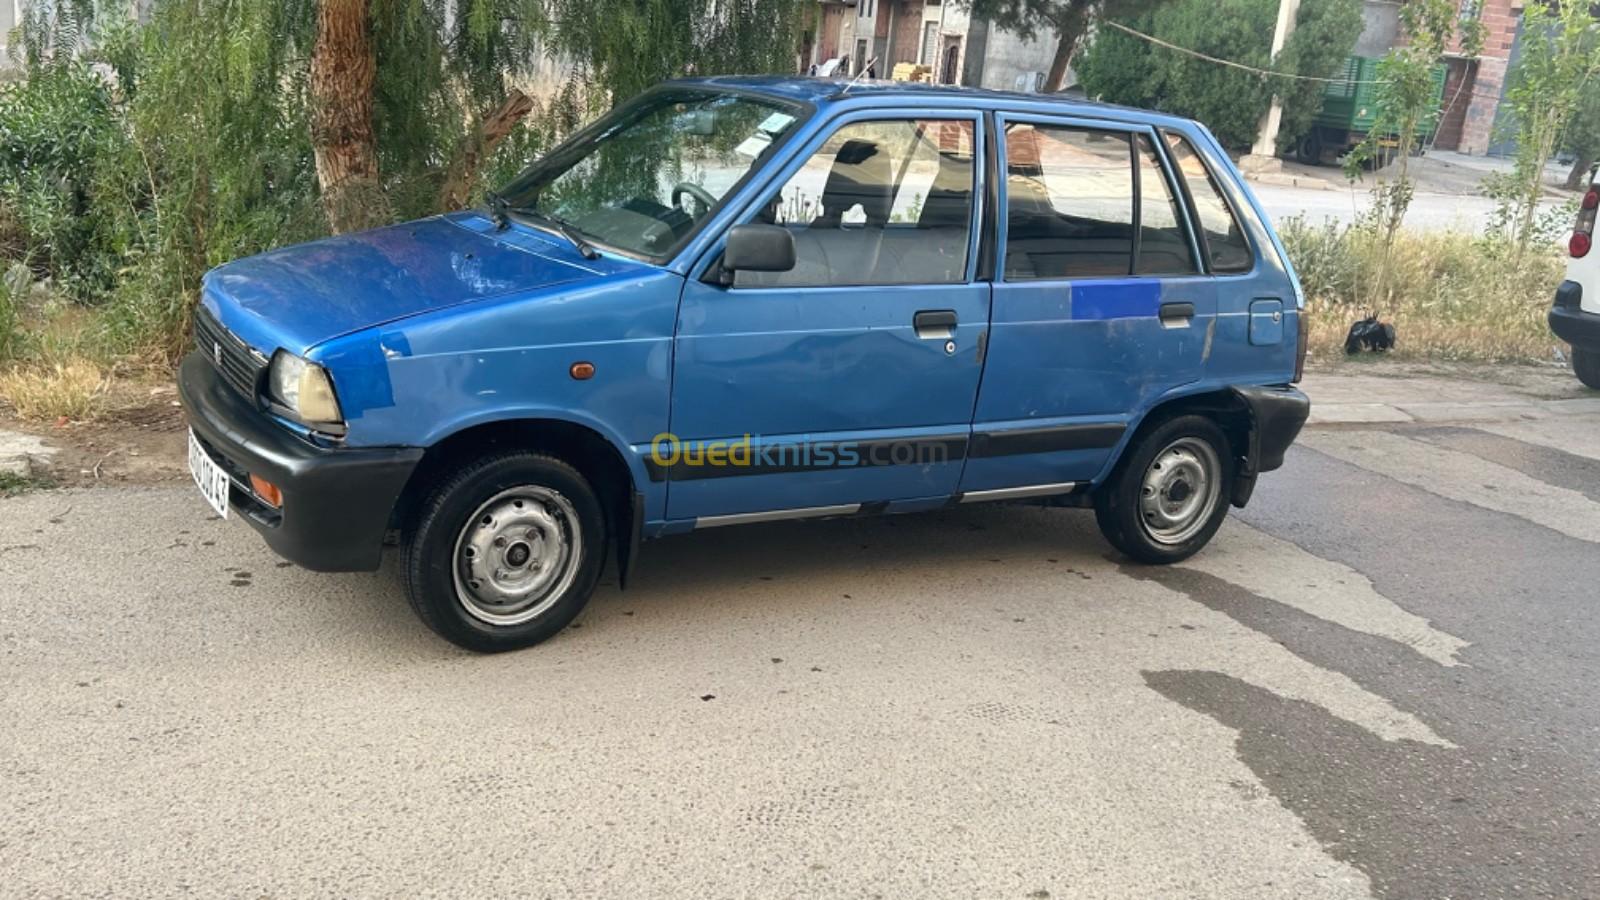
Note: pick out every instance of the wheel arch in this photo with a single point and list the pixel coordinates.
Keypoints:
(596, 457)
(1239, 410)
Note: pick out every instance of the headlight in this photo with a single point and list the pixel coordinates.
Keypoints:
(303, 388)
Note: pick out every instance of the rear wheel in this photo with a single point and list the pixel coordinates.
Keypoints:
(1309, 149)
(1586, 365)
(1169, 494)
(506, 552)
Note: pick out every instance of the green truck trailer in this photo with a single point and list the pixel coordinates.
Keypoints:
(1349, 108)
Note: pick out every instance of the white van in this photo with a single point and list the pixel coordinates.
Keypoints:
(1575, 318)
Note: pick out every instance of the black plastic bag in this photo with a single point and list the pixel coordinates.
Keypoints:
(1369, 334)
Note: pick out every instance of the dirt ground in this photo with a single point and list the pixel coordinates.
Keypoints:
(143, 442)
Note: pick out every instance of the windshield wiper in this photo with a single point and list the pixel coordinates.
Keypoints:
(501, 209)
(498, 207)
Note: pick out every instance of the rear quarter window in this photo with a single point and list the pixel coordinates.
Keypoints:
(1223, 241)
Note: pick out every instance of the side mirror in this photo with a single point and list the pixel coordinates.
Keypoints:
(758, 248)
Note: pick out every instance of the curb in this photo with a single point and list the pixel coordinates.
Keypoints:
(1386, 413)
(1283, 179)
(22, 454)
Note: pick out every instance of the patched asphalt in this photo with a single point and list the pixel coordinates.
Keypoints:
(1379, 682)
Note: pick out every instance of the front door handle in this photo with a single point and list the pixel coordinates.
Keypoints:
(1176, 315)
(935, 324)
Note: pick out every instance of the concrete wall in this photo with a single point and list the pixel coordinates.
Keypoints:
(1009, 56)
(10, 14)
(1380, 28)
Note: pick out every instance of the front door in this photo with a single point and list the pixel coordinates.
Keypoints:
(851, 378)
(1101, 307)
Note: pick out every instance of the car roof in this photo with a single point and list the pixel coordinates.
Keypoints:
(824, 91)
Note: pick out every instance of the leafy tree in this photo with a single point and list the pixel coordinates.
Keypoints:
(1404, 99)
(1068, 20)
(1122, 68)
(225, 127)
(457, 55)
(1582, 139)
(1559, 58)
(53, 128)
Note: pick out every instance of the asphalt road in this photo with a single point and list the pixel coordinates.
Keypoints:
(1379, 681)
(1428, 211)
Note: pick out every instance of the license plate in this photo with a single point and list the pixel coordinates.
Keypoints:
(209, 477)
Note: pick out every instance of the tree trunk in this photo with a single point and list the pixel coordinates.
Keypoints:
(343, 71)
(463, 171)
(1069, 33)
(1580, 169)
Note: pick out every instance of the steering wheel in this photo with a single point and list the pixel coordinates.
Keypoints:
(700, 194)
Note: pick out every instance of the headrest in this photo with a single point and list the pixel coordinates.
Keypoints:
(949, 200)
(946, 209)
(861, 176)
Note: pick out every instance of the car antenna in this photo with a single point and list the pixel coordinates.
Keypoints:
(865, 68)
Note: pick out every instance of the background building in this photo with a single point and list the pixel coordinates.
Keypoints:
(1473, 89)
(938, 34)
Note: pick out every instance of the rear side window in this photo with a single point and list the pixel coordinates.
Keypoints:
(1223, 241)
(1163, 245)
(1069, 203)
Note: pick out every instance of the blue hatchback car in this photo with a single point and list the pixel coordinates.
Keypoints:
(738, 300)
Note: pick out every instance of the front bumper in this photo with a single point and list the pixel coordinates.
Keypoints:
(1569, 321)
(336, 501)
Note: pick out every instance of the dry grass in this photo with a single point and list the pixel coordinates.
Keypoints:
(74, 390)
(1450, 296)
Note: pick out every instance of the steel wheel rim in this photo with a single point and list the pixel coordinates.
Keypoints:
(1180, 491)
(517, 555)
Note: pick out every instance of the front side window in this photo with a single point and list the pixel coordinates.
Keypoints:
(652, 171)
(1069, 203)
(1224, 242)
(881, 202)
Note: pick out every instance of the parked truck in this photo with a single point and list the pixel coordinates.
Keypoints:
(1349, 110)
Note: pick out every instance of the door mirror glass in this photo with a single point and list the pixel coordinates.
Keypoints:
(758, 248)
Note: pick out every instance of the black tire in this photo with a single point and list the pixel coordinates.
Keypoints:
(536, 501)
(1586, 365)
(1309, 149)
(1117, 504)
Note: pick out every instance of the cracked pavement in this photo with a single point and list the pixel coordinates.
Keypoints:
(1378, 681)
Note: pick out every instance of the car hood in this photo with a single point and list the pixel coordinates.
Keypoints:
(304, 295)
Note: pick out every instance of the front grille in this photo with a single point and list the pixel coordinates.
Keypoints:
(240, 364)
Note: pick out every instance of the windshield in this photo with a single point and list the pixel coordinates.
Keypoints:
(650, 172)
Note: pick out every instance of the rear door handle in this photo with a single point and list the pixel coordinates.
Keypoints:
(935, 324)
(1176, 315)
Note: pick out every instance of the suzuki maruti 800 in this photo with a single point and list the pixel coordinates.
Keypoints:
(739, 300)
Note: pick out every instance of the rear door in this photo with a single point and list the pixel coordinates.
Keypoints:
(1100, 306)
(851, 377)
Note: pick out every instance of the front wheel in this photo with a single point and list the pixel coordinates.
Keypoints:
(1586, 365)
(1169, 494)
(506, 552)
